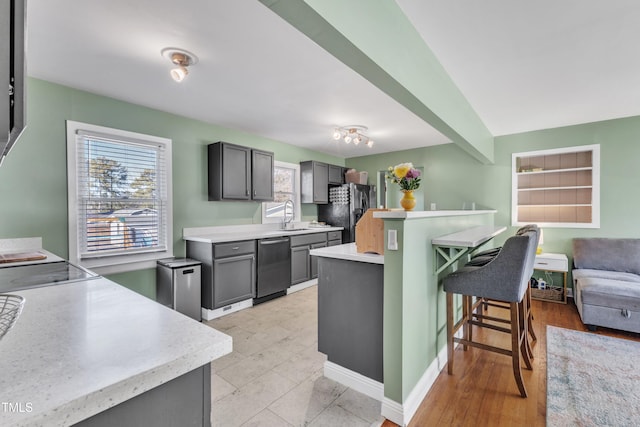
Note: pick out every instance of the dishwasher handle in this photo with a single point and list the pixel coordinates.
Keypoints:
(273, 242)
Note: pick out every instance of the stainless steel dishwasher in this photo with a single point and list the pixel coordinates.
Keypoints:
(274, 268)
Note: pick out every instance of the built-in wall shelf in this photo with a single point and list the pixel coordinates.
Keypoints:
(557, 188)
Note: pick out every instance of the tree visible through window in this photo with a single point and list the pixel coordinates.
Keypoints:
(121, 194)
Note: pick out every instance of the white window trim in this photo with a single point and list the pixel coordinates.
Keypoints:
(119, 263)
(595, 184)
(297, 209)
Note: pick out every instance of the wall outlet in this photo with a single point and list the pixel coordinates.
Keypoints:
(433, 206)
(392, 240)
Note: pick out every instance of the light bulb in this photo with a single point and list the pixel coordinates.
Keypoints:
(347, 139)
(178, 74)
(357, 140)
(336, 134)
(370, 143)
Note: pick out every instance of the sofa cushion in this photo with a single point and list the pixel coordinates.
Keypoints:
(607, 254)
(604, 274)
(609, 293)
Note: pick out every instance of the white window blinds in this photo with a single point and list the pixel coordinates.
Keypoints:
(121, 195)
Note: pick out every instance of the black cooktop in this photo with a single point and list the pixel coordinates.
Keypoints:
(14, 278)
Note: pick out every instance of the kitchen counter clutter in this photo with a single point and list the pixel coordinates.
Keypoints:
(82, 348)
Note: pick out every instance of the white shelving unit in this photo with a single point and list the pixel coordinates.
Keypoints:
(557, 188)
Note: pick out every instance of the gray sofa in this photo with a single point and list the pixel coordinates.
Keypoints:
(606, 280)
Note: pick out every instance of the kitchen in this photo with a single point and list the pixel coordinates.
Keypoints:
(33, 177)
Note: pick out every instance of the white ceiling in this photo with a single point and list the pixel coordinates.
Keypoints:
(522, 65)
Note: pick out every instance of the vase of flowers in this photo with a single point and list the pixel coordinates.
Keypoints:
(408, 178)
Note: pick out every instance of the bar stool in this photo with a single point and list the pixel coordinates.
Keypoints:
(505, 279)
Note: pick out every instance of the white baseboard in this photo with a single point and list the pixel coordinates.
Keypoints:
(301, 286)
(354, 380)
(402, 414)
(231, 308)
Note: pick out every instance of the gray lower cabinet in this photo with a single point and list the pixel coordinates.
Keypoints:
(304, 266)
(300, 269)
(183, 401)
(313, 261)
(334, 238)
(228, 271)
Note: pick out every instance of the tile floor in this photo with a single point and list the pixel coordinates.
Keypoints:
(274, 377)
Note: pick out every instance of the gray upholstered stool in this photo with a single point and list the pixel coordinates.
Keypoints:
(504, 279)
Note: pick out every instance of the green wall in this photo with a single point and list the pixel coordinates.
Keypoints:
(451, 177)
(33, 180)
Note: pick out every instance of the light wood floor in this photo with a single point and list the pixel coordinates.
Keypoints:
(482, 390)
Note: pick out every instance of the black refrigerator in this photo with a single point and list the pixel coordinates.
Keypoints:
(347, 204)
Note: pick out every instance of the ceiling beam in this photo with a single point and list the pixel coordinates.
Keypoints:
(377, 41)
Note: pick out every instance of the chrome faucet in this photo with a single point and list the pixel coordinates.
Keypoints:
(285, 218)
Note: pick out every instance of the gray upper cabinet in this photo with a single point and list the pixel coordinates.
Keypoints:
(12, 73)
(314, 177)
(336, 174)
(239, 173)
(262, 175)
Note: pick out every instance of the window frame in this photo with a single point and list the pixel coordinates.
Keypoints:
(297, 209)
(115, 263)
(595, 185)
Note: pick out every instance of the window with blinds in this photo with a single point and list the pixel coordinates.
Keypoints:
(121, 193)
(285, 187)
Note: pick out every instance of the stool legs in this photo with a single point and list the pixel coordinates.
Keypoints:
(516, 342)
(519, 319)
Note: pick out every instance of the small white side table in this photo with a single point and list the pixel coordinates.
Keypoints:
(556, 263)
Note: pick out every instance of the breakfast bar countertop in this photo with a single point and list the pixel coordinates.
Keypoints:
(81, 348)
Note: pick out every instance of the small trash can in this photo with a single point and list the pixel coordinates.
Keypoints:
(178, 285)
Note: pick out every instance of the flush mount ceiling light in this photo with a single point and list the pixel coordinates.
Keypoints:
(352, 133)
(182, 59)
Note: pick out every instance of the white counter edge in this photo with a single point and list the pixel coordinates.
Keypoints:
(401, 214)
(348, 252)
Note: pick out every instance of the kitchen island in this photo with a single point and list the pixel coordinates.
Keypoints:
(94, 353)
(350, 306)
(394, 303)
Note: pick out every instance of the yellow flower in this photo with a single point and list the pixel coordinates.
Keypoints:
(401, 170)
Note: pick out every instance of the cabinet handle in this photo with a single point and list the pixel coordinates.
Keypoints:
(235, 248)
(255, 192)
(542, 263)
(189, 271)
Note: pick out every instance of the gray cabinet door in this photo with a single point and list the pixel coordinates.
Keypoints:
(229, 172)
(313, 260)
(236, 172)
(314, 177)
(336, 176)
(262, 175)
(234, 279)
(320, 183)
(300, 269)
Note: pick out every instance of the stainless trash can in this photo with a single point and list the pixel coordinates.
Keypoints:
(178, 285)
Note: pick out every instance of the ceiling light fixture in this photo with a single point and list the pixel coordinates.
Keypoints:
(352, 133)
(182, 59)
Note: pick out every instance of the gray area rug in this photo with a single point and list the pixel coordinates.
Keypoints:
(592, 380)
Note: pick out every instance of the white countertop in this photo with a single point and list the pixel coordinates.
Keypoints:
(248, 232)
(80, 348)
(469, 238)
(402, 214)
(348, 252)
